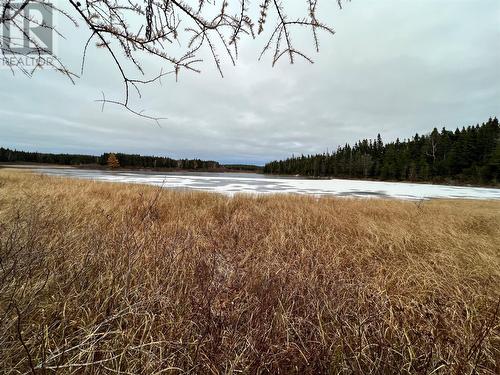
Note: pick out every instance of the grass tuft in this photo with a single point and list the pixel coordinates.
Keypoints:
(111, 278)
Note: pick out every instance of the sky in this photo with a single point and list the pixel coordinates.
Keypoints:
(394, 67)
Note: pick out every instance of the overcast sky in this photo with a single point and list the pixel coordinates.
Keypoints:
(394, 67)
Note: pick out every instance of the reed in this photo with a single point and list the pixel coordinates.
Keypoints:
(111, 278)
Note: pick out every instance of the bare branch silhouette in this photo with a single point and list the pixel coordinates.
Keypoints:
(173, 31)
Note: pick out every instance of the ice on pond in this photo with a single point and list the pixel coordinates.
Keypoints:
(231, 183)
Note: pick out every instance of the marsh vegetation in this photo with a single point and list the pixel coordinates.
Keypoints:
(118, 278)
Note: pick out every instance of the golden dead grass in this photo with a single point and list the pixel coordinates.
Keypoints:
(112, 278)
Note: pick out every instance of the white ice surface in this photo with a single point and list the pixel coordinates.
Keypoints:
(231, 183)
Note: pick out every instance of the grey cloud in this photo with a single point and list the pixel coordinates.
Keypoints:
(394, 67)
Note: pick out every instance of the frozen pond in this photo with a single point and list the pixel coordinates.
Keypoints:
(231, 183)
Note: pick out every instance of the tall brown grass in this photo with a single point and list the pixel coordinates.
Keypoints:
(109, 278)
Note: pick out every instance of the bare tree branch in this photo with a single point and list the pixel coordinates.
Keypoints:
(131, 29)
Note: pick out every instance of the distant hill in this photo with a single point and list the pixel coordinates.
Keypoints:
(469, 154)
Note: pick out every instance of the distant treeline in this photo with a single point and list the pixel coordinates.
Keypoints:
(125, 160)
(471, 154)
(243, 167)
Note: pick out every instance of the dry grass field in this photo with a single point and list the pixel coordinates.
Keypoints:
(102, 278)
